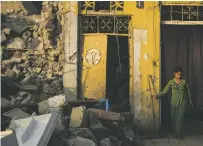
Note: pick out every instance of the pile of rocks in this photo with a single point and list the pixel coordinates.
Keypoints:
(32, 55)
(92, 127)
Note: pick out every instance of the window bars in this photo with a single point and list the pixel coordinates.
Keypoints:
(182, 13)
(103, 5)
(106, 24)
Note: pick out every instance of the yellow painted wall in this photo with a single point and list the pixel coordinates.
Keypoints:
(143, 53)
(144, 19)
(94, 66)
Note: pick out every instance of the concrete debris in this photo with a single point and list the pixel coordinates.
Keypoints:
(102, 114)
(16, 69)
(82, 132)
(26, 35)
(16, 43)
(30, 88)
(4, 102)
(16, 60)
(111, 141)
(10, 74)
(129, 133)
(78, 117)
(79, 141)
(43, 107)
(6, 64)
(3, 37)
(6, 31)
(17, 114)
(101, 132)
(57, 101)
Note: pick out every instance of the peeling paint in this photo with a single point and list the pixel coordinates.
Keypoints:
(70, 51)
(140, 35)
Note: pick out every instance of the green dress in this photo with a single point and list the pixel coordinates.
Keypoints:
(179, 102)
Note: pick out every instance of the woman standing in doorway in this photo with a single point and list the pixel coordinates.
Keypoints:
(180, 99)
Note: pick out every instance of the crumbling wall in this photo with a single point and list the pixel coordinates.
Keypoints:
(32, 52)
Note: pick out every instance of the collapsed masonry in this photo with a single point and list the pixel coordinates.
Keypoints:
(32, 55)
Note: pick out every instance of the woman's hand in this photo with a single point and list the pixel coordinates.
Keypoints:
(154, 96)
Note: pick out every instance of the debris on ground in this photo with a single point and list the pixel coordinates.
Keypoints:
(30, 57)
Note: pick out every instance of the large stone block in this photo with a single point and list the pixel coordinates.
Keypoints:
(78, 117)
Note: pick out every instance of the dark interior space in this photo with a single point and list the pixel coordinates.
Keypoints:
(182, 45)
(117, 73)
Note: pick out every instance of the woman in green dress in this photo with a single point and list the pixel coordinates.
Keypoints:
(180, 100)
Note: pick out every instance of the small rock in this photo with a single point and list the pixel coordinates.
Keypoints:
(79, 141)
(4, 102)
(78, 117)
(16, 43)
(82, 132)
(43, 107)
(29, 99)
(35, 44)
(111, 141)
(26, 35)
(16, 60)
(129, 133)
(3, 37)
(6, 31)
(20, 97)
(96, 127)
(26, 80)
(19, 76)
(46, 88)
(101, 132)
(10, 73)
(57, 101)
(16, 69)
(6, 64)
(30, 88)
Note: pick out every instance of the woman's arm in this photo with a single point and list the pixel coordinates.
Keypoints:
(166, 89)
(188, 92)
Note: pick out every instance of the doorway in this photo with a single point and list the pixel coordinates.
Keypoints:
(182, 45)
(117, 73)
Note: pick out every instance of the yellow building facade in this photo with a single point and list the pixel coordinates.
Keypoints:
(144, 54)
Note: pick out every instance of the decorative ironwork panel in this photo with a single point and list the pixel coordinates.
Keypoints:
(106, 24)
(122, 24)
(102, 5)
(90, 24)
(182, 13)
(117, 5)
(87, 5)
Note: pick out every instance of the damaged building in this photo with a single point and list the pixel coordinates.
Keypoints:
(99, 62)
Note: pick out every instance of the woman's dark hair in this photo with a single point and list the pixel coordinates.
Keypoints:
(178, 69)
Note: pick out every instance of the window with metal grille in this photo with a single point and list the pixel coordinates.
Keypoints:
(106, 24)
(103, 5)
(182, 13)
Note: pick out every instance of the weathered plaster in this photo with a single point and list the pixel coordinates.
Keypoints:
(70, 51)
(139, 37)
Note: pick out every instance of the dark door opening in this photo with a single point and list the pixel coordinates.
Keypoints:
(117, 73)
(182, 46)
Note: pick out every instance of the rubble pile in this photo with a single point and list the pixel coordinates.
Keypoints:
(32, 55)
(93, 127)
